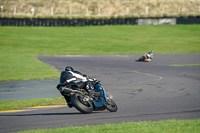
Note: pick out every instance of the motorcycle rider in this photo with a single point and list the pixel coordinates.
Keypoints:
(69, 75)
(147, 57)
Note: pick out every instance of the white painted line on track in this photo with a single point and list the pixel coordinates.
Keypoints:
(147, 74)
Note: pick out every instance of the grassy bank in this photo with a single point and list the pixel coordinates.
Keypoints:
(99, 8)
(169, 126)
(19, 104)
(188, 65)
(19, 46)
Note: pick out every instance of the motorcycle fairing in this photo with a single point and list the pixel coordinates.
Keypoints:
(101, 101)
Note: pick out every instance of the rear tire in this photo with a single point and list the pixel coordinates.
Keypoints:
(112, 106)
(84, 107)
(141, 58)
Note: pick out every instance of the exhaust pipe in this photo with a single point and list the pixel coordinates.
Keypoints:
(68, 90)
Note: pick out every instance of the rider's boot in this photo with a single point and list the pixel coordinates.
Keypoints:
(67, 98)
(70, 105)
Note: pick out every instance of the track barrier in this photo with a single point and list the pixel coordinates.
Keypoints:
(52, 22)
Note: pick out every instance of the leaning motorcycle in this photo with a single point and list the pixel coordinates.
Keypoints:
(146, 57)
(88, 101)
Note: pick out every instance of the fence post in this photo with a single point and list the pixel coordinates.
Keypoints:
(163, 10)
(110, 11)
(70, 11)
(179, 9)
(199, 9)
(99, 11)
(86, 11)
(14, 12)
(147, 10)
(127, 10)
(1, 8)
(2, 11)
(51, 11)
(32, 10)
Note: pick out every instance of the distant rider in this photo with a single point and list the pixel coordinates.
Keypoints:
(149, 56)
(71, 76)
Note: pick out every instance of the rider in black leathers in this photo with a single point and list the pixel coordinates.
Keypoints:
(72, 76)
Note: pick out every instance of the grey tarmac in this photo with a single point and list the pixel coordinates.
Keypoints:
(143, 91)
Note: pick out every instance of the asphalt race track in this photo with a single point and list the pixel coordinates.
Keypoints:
(143, 91)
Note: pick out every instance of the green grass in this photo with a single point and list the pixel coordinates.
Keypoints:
(190, 65)
(19, 46)
(168, 126)
(17, 104)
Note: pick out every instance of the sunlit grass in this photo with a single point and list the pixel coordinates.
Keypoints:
(20, 46)
(189, 65)
(169, 126)
(18, 104)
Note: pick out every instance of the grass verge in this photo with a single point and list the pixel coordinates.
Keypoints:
(19, 46)
(18, 104)
(168, 126)
(190, 65)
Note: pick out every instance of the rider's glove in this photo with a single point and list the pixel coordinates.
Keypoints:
(89, 78)
(89, 86)
(95, 80)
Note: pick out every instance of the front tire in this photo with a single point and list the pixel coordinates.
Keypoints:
(111, 106)
(78, 102)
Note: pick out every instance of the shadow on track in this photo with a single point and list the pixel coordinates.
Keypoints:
(46, 114)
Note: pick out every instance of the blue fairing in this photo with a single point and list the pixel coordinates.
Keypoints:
(102, 99)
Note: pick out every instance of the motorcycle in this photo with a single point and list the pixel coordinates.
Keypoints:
(88, 101)
(147, 57)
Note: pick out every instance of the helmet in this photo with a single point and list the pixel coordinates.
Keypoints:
(69, 68)
(151, 52)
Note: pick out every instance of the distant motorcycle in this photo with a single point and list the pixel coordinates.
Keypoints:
(93, 100)
(147, 57)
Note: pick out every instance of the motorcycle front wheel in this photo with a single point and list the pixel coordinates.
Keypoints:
(111, 106)
(81, 104)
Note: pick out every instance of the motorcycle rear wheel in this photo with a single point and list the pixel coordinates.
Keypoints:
(141, 58)
(84, 107)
